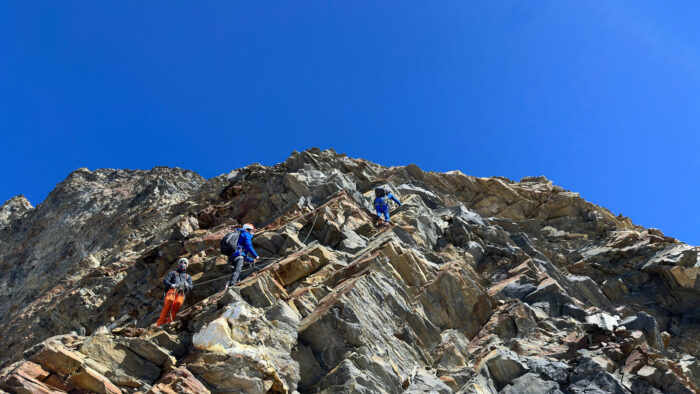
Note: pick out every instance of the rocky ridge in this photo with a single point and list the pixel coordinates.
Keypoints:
(13, 209)
(482, 285)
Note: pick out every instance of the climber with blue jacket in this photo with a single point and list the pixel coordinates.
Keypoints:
(381, 204)
(243, 250)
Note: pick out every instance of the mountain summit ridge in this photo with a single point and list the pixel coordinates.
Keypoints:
(480, 285)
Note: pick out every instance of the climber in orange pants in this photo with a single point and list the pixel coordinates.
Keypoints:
(176, 284)
(173, 302)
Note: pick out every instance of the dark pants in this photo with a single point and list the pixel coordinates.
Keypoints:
(236, 265)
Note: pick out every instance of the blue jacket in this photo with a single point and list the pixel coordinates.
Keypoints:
(245, 245)
(381, 204)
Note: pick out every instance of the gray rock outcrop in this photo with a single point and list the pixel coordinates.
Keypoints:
(482, 285)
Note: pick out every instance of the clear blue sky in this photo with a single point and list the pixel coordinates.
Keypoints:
(601, 97)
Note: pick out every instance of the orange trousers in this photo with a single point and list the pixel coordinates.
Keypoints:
(173, 302)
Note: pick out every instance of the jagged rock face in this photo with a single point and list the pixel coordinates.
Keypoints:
(90, 221)
(13, 209)
(482, 285)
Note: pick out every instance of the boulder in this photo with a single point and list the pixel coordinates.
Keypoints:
(479, 384)
(590, 377)
(503, 366)
(531, 383)
(118, 362)
(352, 242)
(149, 351)
(425, 382)
(691, 368)
(589, 291)
(71, 367)
(549, 370)
(574, 311)
(27, 377)
(647, 324)
(454, 300)
(216, 336)
(604, 320)
(179, 381)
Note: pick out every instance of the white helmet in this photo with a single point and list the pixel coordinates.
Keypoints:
(248, 226)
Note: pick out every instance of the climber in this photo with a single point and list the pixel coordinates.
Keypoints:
(381, 204)
(176, 284)
(238, 246)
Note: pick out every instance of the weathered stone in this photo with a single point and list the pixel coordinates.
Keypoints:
(531, 383)
(676, 255)
(14, 208)
(614, 289)
(647, 324)
(19, 383)
(504, 366)
(117, 362)
(479, 384)
(691, 368)
(215, 337)
(245, 334)
(685, 278)
(28, 368)
(281, 312)
(52, 355)
(454, 300)
(27, 377)
(262, 291)
(90, 380)
(590, 377)
(179, 381)
(453, 350)
(604, 320)
(239, 371)
(298, 266)
(352, 242)
(167, 341)
(551, 293)
(149, 351)
(589, 290)
(427, 383)
(574, 311)
(556, 371)
(310, 370)
(59, 383)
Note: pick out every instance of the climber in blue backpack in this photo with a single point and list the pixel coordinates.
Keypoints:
(381, 204)
(238, 246)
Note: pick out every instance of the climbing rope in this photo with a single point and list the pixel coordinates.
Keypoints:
(310, 230)
(242, 271)
(208, 281)
(253, 265)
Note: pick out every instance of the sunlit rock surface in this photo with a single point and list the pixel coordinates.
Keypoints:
(482, 285)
